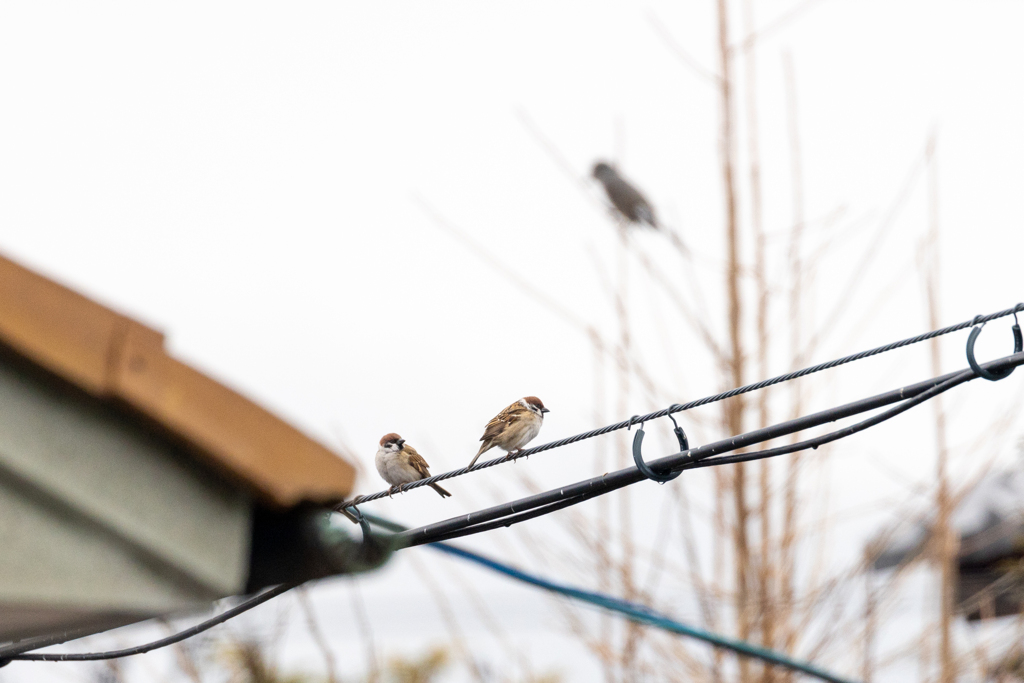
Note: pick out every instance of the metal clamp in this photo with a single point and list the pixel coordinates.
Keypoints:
(684, 443)
(1018, 346)
(638, 458)
(353, 513)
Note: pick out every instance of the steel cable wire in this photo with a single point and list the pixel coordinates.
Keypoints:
(677, 407)
(526, 508)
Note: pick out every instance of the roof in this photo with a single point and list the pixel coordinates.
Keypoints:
(989, 521)
(116, 358)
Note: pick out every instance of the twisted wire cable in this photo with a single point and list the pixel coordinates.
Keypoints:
(678, 408)
(539, 504)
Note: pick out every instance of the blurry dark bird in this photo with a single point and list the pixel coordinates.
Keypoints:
(626, 199)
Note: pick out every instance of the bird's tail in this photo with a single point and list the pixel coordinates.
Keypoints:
(484, 447)
(677, 242)
(442, 492)
(646, 215)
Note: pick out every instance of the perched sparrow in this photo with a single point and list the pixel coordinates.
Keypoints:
(623, 196)
(513, 427)
(398, 463)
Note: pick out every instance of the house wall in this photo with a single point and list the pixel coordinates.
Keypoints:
(103, 517)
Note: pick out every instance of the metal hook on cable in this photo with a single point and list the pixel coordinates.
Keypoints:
(1018, 346)
(353, 513)
(684, 443)
(638, 458)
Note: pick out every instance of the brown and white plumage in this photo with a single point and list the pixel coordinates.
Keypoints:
(398, 463)
(626, 199)
(514, 427)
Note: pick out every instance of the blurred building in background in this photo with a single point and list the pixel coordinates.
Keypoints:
(989, 524)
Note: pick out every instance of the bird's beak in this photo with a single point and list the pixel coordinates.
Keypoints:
(400, 442)
(544, 410)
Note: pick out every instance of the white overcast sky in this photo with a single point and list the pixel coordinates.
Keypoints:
(250, 178)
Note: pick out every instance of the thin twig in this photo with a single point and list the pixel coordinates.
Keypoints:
(318, 635)
(704, 73)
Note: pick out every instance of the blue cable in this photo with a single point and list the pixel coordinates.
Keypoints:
(631, 610)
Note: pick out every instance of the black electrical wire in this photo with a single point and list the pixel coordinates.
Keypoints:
(522, 509)
(717, 461)
(677, 407)
(254, 601)
(832, 436)
(518, 517)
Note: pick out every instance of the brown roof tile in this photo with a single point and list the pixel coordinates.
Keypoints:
(112, 356)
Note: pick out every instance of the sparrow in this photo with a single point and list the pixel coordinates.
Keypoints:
(514, 427)
(626, 199)
(398, 463)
